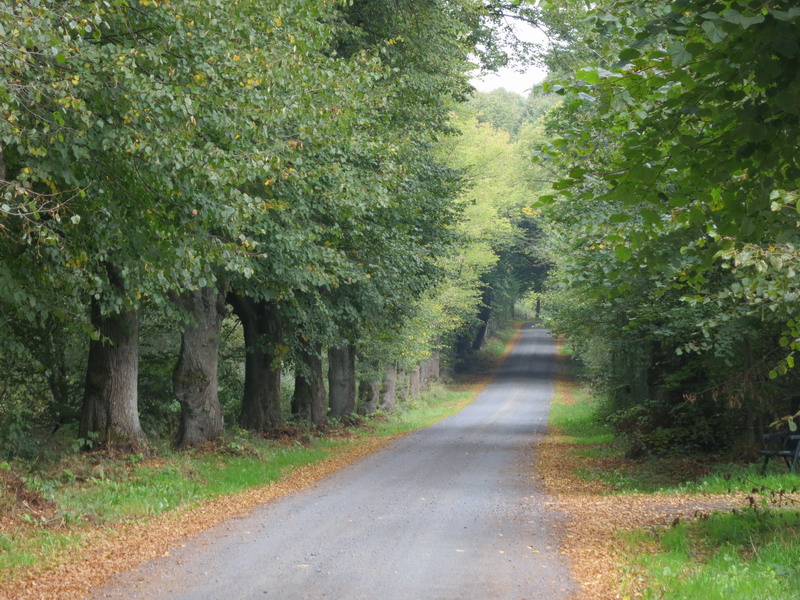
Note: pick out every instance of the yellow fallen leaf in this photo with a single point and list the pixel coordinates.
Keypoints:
(302, 566)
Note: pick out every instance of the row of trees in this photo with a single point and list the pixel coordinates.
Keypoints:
(166, 160)
(674, 219)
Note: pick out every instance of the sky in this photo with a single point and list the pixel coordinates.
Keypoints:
(510, 78)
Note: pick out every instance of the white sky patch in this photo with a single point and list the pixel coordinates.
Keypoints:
(511, 78)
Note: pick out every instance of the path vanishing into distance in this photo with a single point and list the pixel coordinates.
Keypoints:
(453, 511)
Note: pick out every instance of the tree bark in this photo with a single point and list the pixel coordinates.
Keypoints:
(413, 383)
(429, 369)
(261, 404)
(389, 388)
(435, 370)
(57, 378)
(425, 374)
(484, 315)
(342, 380)
(309, 388)
(110, 404)
(368, 395)
(401, 387)
(194, 379)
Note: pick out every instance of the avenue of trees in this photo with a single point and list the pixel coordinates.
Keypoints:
(673, 221)
(198, 197)
(249, 211)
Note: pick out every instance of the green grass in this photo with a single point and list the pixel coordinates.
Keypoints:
(665, 474)
(727, 477)
(101, 490)
(184, 481)
(497, 343)
(439, 402)
(567, 349)
(579, 422)
(742, 556)
(21, 550)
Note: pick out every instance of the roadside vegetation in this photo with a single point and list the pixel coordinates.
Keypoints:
(671, 226)
(52, 508)
(180, 280)
(675, 526)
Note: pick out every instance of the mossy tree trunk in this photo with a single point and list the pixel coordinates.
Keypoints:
(308, 400)
(342, 380)
(388, 392)
(368, 395)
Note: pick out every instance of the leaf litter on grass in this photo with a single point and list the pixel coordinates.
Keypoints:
(595, 517)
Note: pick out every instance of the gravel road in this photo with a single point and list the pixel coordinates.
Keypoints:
(451, 512)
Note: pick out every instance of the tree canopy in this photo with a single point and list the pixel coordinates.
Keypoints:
(674, 218)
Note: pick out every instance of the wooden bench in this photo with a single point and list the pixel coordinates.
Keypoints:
(784, 445)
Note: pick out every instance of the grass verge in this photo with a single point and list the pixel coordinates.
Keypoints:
(726, 556)
(671, 528)
(81, 520)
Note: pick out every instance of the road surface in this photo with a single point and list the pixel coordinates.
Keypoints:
(451, 512)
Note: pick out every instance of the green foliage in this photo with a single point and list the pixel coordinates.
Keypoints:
(502, 109)
(727, 556)
(290, 152)
(673, 225)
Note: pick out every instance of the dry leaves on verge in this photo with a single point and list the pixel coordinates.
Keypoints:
(109, 550)
(594, 517)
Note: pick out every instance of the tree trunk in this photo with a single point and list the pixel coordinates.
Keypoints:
(389, 388)
(194, 379)
(342, 380)
(413, 384)
(309, 388)
(425, 374)
(261, 404)
(484, 315)
(401, 387)
(58, 380)
(110, 412)
(368, 395)
(436, 361)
